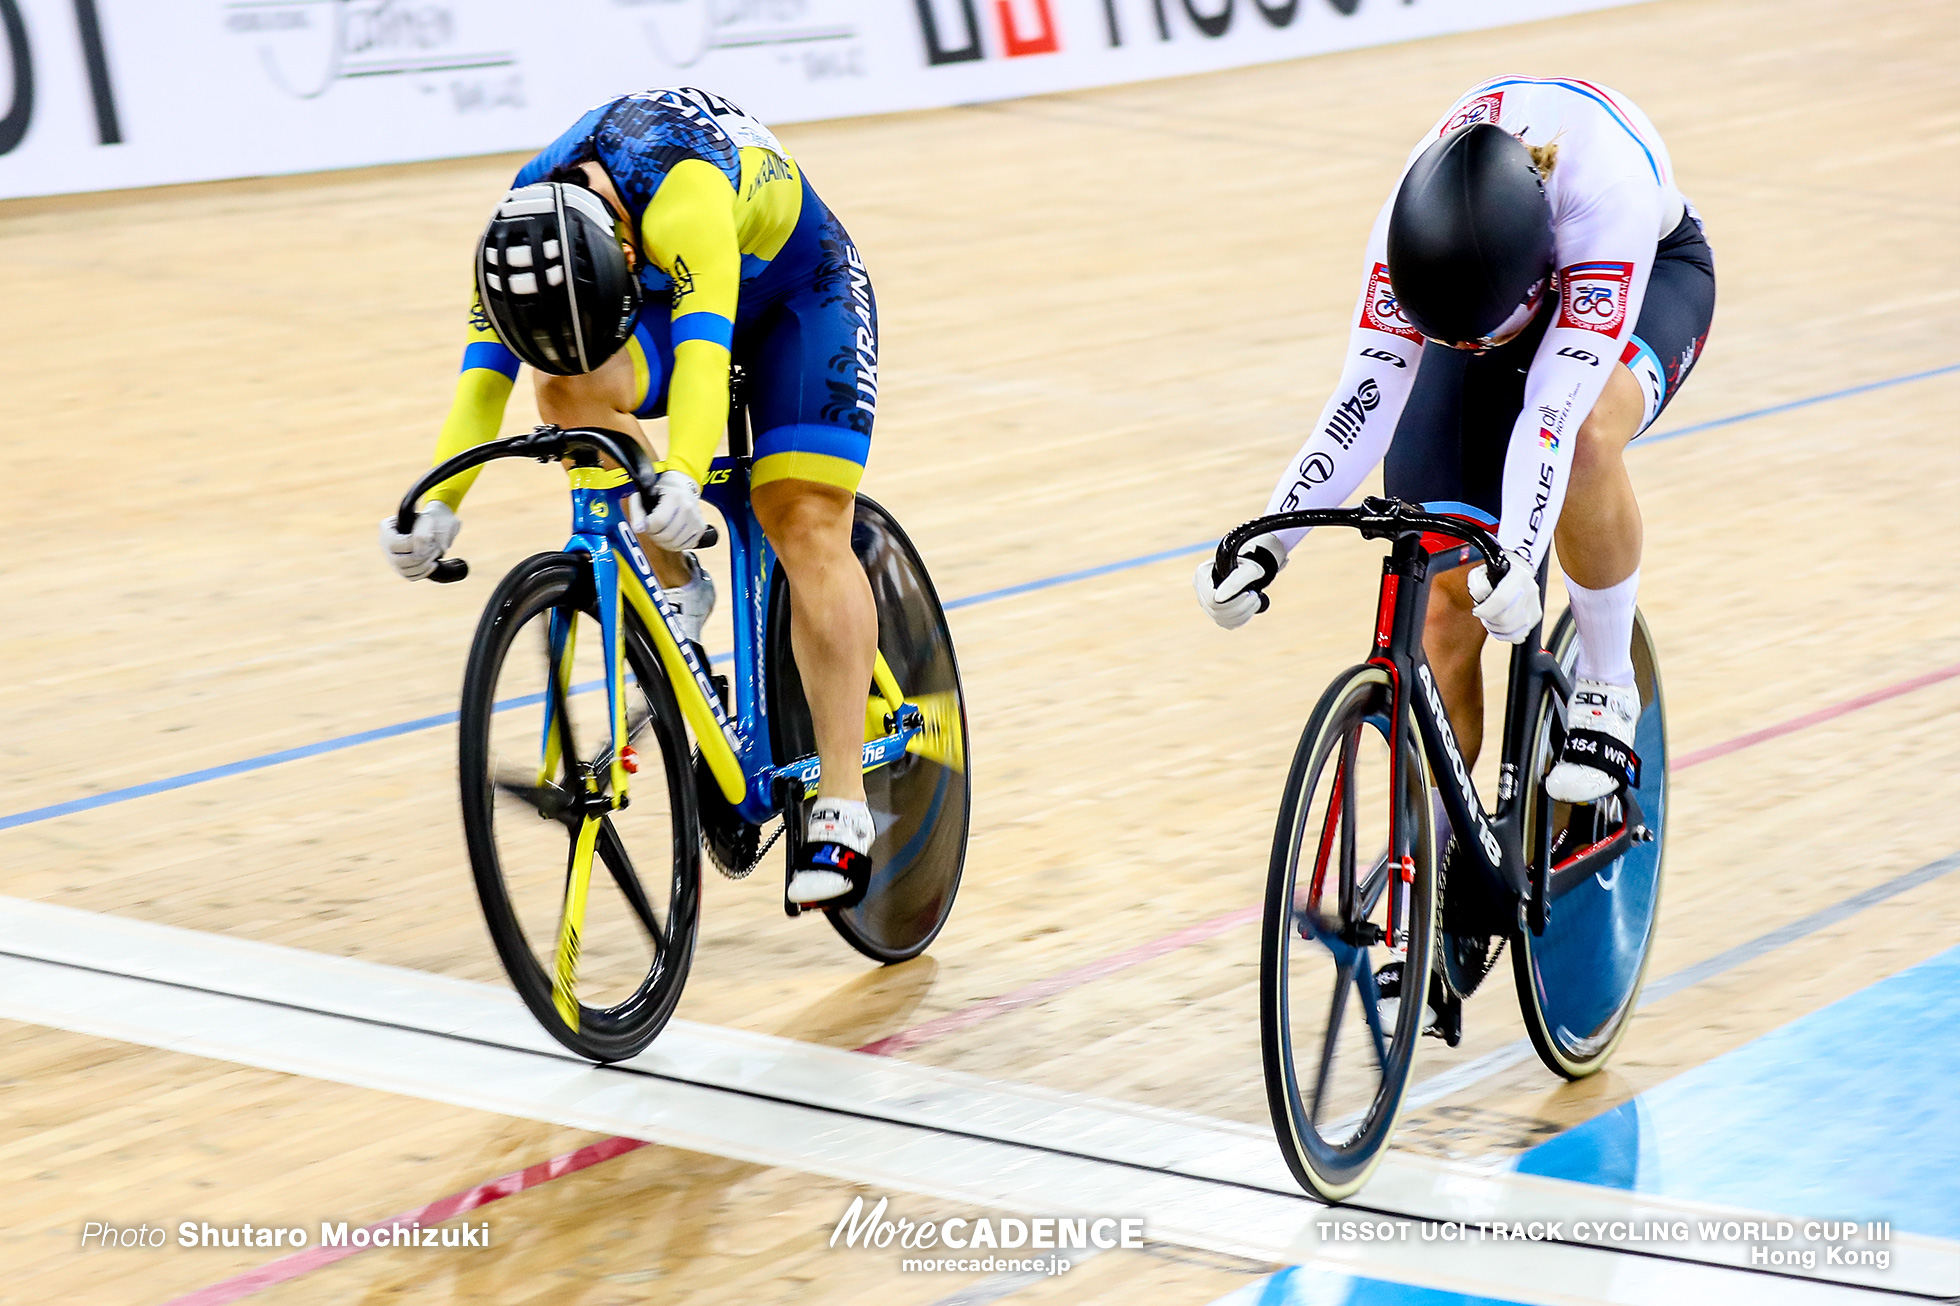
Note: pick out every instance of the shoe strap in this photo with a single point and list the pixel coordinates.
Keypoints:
(845, 861)
(1602, 752)
(828, 856)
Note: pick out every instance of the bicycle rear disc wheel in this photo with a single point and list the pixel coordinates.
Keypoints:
(1579, 982)
(920, 801)
(1337, 1027)
(601, 965)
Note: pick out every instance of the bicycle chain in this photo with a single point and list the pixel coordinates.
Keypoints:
(1490, 961)
(754, 862)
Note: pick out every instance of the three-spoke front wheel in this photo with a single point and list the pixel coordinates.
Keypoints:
(593, 908)
(1349, 935)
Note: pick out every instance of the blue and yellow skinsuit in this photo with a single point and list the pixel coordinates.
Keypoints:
(742, 263)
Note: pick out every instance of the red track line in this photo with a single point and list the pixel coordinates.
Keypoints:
(1043, 989)
(304, 1262)
(447, 1208)
(1822, 714)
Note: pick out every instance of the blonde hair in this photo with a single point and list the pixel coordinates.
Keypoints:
(1544, 158)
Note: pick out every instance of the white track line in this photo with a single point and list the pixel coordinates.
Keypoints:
(869, 1120)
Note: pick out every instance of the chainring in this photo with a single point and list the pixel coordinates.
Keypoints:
(1468, 948)
(732, 843)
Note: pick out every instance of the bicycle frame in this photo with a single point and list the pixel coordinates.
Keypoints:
(738, 751)
(1493, 841)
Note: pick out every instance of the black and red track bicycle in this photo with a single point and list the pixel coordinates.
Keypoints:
(1362, 909)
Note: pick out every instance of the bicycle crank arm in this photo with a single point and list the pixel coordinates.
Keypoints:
(1590, 860)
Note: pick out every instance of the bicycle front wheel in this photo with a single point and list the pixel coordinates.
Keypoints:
(593, 909)
(1349, 935)
(1579, 982)
(920, 801)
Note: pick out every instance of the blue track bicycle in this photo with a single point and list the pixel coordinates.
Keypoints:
(590, 725)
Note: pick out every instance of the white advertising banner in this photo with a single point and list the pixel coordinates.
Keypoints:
(100, 94)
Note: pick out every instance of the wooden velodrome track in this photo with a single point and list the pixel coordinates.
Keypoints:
(1108, 317)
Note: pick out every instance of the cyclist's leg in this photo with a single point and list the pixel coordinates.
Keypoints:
(834, 622)
(603, 397)
(812, 352)
(631, 382)
(1453, 641)
(1599, 533)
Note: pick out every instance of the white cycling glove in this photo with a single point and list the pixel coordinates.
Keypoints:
(674, 523)
(1512, 609)
(415, 554)
(1242, 594)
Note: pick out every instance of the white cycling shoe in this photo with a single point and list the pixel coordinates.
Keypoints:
(836, 860)
(1598, 754)
(693, 601)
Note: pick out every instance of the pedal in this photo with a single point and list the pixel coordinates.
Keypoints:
(794, 811)
(1446, 1012)
(1443, 1009)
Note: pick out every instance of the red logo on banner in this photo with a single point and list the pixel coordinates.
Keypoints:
(1593, 296)
(1484, 108)
(1379, 312)
(1026, 27)
(1040, 41)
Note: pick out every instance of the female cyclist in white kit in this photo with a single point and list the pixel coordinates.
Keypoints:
(1536, 291)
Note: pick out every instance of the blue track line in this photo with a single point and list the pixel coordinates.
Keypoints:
(264, 760)
(1069, 577)
(258, 763)
(1798, 403)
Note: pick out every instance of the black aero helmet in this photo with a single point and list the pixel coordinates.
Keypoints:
(1470, 234)
(554, 280)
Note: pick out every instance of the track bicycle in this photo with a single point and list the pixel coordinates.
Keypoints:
(1368, 942)
(556, 775)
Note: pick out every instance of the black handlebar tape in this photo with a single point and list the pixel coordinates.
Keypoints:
(709, 538)
(544, 443)
(1375, 518)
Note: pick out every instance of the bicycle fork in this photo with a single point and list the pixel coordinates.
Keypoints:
(1398, 610)
(593, 506)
